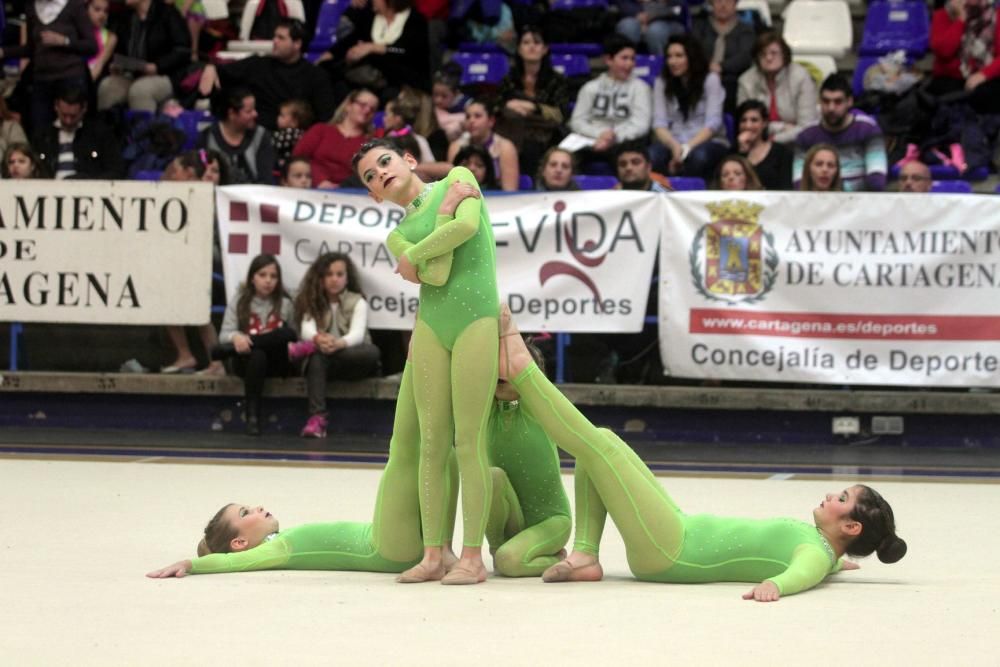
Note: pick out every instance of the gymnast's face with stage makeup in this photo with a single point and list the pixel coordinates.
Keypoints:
(834, 511)
(389, 175)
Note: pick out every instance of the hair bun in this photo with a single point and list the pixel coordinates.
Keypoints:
(203, 549)
(891, 549)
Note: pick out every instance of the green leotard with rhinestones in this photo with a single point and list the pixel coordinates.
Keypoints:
(454, 352)
(662, 543)
(530, 515)
(471, 291)
(390, 543)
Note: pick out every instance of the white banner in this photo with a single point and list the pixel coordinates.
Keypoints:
(571, 261)
(105, 252)
(890, 289)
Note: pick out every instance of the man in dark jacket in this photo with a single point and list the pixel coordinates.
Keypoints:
(75, 147)
(153, 54)
(727, 43)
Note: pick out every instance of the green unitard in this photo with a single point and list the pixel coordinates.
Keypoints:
(454, 352)
(662, 543)
(390, 543)
(529, 516)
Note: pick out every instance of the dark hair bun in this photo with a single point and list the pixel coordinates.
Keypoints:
(891, 549)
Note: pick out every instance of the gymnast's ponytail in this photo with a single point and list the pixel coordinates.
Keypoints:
(878, 528)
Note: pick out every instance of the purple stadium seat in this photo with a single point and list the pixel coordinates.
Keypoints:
(194, 122)
(686, 183)
(326, 26)
(570, 5)
(590, 182)
(957, 187)
(585, 48)
(730, 122)
(148, 175)
(571, 64)
(525, 182)
(893, 25)
(378, 120)
(482, 67)
(648, 68)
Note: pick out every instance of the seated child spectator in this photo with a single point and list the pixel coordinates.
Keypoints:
(821, 170)
(856, 137)
(477, 160)
(20, 162)
(257, 333)
(330, 146)
(216, 167)
(11, 131)
(400, 114)
(687, 120)
(555, 171)
(736, 173)
(449, 102)
(296, 173)
(97, 11)
(615, 106)
(334, 317)
(294, 118)
(480, 119)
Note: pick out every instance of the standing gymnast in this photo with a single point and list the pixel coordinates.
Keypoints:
(662, 543)
(454, 341)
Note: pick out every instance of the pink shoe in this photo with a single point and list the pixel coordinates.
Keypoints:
(958, 158)
(912, 153)
(300, 349)
(315, 427)
(944, 159)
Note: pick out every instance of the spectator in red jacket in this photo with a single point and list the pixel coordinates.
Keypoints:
(330, 146)
(966, 43)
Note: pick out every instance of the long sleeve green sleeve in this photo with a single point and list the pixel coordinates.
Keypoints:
(267, 556)
(809, 566)
(449, 233)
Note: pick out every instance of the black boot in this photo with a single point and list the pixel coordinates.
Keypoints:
(223, 351)
(253, 416)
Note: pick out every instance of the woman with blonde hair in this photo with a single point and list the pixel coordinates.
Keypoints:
(329, 147)
(736, 173)
(821, 170)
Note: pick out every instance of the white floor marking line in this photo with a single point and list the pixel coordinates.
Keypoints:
(781, 476)
(148, 459)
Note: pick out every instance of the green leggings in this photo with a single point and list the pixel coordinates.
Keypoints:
(454, 395)
(612, 480)
(519, 551)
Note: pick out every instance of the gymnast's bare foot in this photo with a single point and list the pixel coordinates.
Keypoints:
(448, 558)
(431, 568)
(578, 566)
(514, 354)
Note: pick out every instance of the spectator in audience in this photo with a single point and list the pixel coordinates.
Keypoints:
(236, 135)
(856, 137)
(284, 75)
(915, 176)
(20, 162)
(153, 52)
(479, 122)
(330, 146)
(386, 50)
(615, 106)
(736, 173)
(555, 171)
(687, 112)
(75, 146)
(334, 317)
(257, 333)
(97, 11)
(296, 173)
(534, 98)
(60, 39)
(400, 114)
(650, 22)
(216, 168)
(294, 118)
(478, 160)
(771, 161)
(786, 88)
(634, 169)
(190, 166)
(193, 12)
(449, 102)
(11, 131)
(821, 172)
(965, 39)
(727, 43)
(501, 33)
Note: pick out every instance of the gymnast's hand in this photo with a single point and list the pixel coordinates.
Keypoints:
(407, 270)
(178, 569)
(457, 192)
(242, 343)
(766, 591)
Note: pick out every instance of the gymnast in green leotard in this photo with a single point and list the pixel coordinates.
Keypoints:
(529, 520)
(664, 544)
(241, 538)
(454, 343)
